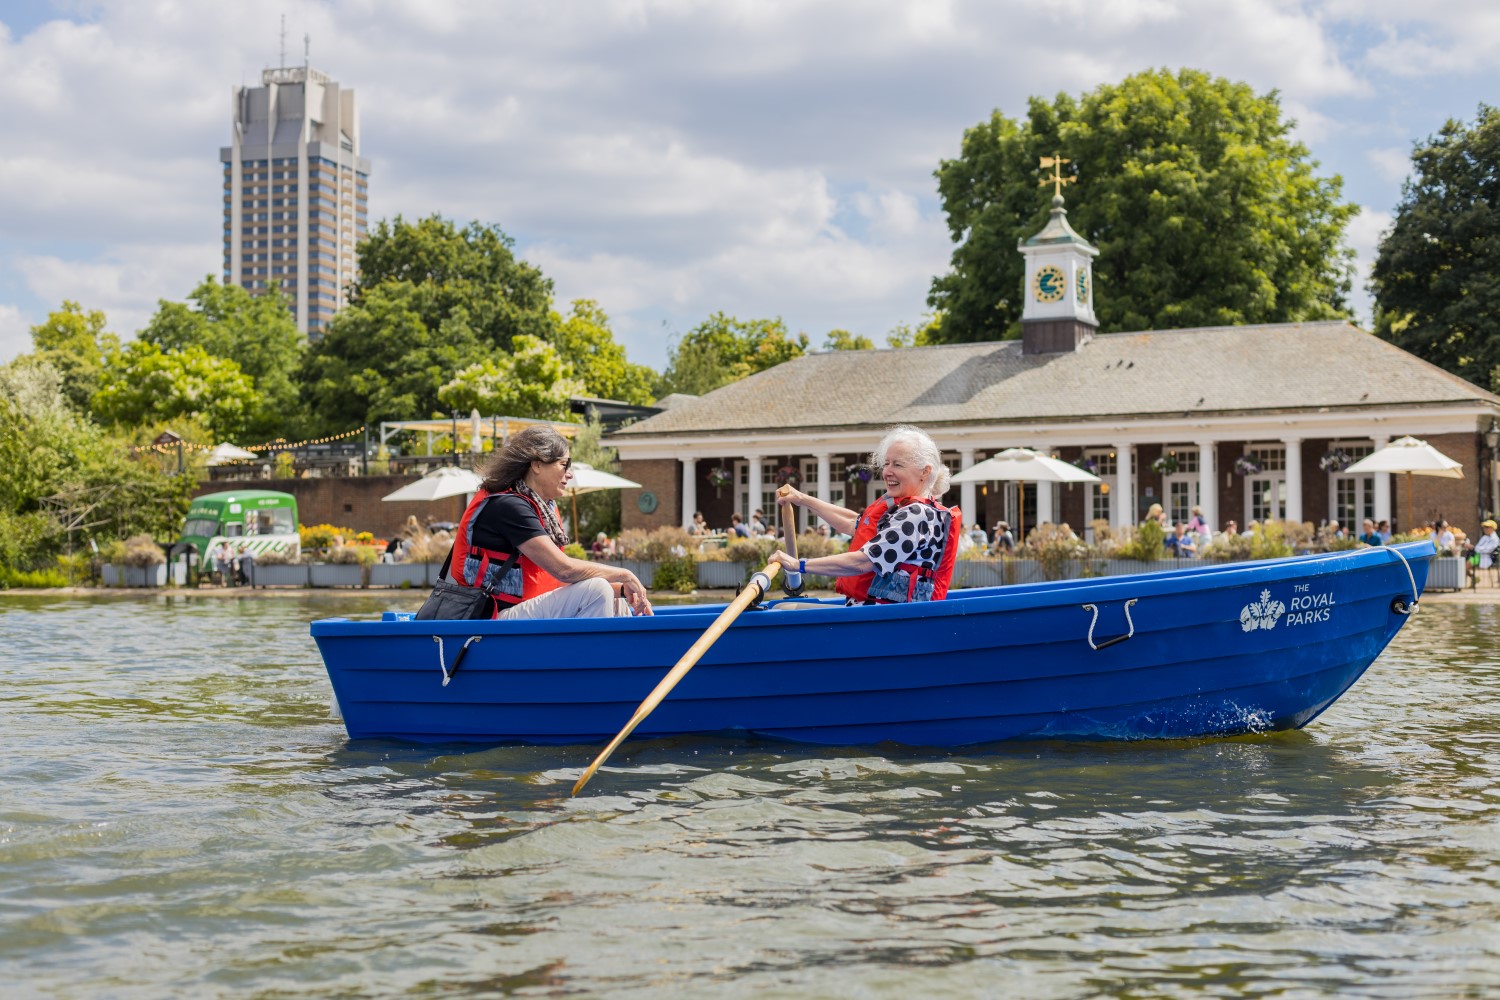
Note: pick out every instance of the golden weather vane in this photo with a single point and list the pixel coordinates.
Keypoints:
(1057, 180)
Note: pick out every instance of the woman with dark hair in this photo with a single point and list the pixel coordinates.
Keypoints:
(510, 539)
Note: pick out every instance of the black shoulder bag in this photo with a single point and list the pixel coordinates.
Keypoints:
(450, 601)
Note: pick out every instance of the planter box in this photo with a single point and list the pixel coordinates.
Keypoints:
(294, 575)
(725, 575)
(335, 575)
(645, 571)
(110, 574)
(404, 574)
(137, 576)
(1446, 573)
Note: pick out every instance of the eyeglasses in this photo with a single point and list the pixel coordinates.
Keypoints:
(566, 463)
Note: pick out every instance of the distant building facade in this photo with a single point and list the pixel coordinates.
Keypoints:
(1248, 423)
(295, 191)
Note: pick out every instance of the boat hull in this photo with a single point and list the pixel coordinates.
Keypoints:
(1212, 650)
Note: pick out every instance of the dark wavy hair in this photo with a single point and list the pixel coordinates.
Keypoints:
(509, 465)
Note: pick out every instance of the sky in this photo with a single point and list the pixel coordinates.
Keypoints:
(667, 158)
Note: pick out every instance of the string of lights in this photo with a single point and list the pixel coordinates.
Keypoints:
(279, 444)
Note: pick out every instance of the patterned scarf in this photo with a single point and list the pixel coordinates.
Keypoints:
(550, 520)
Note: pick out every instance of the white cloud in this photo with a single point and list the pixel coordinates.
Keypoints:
(1391, 162)
(666, 157)
(15, 333)
(125, 282)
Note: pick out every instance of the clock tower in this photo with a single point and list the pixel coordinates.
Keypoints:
(1059, 290)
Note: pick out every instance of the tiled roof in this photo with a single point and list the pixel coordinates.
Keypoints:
(1236, 369)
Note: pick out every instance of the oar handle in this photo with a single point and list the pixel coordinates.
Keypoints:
(760, 584)
(793, 582)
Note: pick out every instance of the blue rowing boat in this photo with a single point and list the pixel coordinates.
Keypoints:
(1206, 650)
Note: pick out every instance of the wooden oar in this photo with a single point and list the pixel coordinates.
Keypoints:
(759, 585)
(792, 582)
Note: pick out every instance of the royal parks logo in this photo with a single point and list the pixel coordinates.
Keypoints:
(1264, 613)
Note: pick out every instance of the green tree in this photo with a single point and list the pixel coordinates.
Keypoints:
(916, 334)
(1436, 277)
(50, 450)
(75, 343)
(722, 349)
(471, 270)
(843, 340)
(143, 383)
(257, 332)
(431, 300)
(600, 510)
(1204, 210)
(532, 381)
(584, 340)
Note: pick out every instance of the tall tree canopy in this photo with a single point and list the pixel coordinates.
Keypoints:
(531, 381)
(434, 301)
(1436, 277)
(584, 339)
(723, 349)
(1203, 208)
(257, 332)
(142, 383)
(472, 270)
(75, 343)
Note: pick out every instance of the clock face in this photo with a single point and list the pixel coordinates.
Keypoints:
(1050, 284)
(1082, 288)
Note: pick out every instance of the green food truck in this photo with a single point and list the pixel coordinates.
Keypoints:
(257, 520)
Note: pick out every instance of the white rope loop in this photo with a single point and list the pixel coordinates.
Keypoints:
(1406, 609)
(442, 660)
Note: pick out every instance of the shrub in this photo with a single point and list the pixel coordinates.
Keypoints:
(1147, 545)
(322, 536)
(1054, 547)
(575, 550)
(353, 555)
(26, 579)
(365, 538)
(679, 573)
(284, 466)
(277, 557)
(751, 550)
(430, 547)
(76, 567)
(141, 552)
(1227, 548)
(655, 546)
(813, 546)
(1268, 541)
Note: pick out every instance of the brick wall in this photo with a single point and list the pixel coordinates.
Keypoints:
(1454, 500)
(661, 477)
(348, 502)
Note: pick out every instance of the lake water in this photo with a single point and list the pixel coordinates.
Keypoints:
(179, 818)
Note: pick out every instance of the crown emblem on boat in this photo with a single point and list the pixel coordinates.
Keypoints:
(1263, 613)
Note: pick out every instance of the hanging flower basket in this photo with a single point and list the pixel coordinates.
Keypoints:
(1246, 466)
(1087, 465)
(1166, 465)
(858, 474)
(1335, 460)
(788, 475)
(719, 477)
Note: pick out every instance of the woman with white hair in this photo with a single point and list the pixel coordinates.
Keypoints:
(902, 546)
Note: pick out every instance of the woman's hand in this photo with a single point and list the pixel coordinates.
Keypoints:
(789, 495)
(785, 559)
(634, 593)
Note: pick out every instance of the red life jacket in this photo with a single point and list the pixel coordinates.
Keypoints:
(472, 564)
(868, 526)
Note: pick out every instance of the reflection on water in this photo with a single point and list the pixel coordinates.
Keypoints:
(178, 817)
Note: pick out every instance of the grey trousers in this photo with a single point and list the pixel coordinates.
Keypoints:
(590, 599)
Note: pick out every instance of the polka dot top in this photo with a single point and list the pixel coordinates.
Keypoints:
(912, 534)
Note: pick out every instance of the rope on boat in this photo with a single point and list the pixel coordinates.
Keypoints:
(442, 661)
(1119, 638)
(1397, 605)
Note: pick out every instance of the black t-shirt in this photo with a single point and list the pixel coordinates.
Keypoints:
(505, 522)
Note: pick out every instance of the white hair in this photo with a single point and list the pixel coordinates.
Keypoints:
(936, 483)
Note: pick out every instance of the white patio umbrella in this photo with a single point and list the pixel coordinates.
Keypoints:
(226, 452)
(587, 479)
(1022, 465)
(448, 481)
(1413, 457)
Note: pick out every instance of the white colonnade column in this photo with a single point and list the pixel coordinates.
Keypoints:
(825, 488)
(689, 490)
(1045, 513)
(1293, 478)
(1122, 505)
(1208, 485)
(1383, 489)
(966, 495)
(755, 489)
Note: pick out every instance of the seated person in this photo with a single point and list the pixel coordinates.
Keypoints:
(1368, 534)
(1486, 544)
(510, 539)
(903, 545)
(697, 526)
(737, 527)
(1179, 543)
